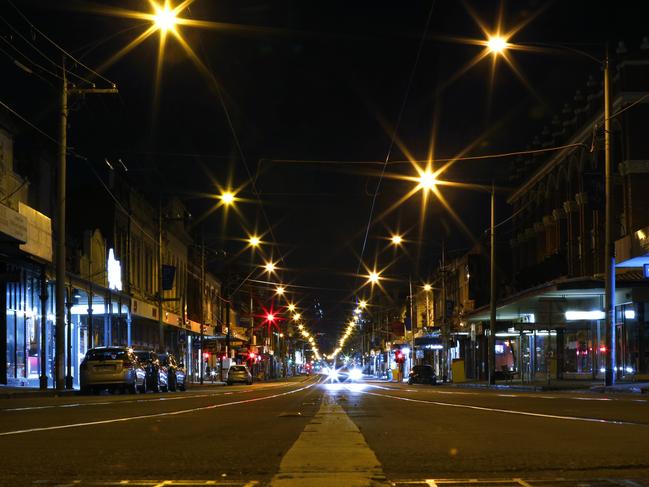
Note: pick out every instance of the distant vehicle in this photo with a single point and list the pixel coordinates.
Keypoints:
(115, 368)
(239, 373)
(156, 373)
(422, 374)
(176, 377)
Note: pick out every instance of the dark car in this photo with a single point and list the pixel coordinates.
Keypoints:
(115, 368)
(156, 373)
(176, 377)
(422, 374)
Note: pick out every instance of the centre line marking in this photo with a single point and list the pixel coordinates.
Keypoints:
(148, 416)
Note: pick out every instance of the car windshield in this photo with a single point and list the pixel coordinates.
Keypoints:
(107, 354)
(238, 368)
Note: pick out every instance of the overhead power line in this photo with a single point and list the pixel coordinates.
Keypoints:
(394, 134)
(57, 46)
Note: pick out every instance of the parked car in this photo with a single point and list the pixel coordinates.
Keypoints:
(176, 377)
(422, 374)
(239, 373)
(115, 368)
(156, 373)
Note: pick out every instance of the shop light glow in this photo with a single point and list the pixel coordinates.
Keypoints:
(585, 315)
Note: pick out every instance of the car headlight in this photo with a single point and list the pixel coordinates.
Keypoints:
(355, 374)
(333, 375)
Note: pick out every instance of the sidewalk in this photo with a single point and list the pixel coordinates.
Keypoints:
(561, 385)
(539, 386)
(10, 392)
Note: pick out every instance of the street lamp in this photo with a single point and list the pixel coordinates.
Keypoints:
(362, 304)
(496, 44)
(227, 198)
(396, 239)
(291, 307)
(373, 277)
(164, 18)
(609, 247)
(426, 180)
(296, 317)
(279, 290)
(254, 241)
(270, 267)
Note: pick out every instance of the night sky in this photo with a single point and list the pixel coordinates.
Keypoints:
(314, 81)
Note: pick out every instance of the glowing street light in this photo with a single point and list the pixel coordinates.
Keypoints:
(164, 18)
(227, 198)
(396, 239)
(296, 317)
(428, 287)
(373, 277)
(270, 267)
(291, 307)
(426, 180)
(362, 304)
(254, 241)
(496, 44)
(280, 290)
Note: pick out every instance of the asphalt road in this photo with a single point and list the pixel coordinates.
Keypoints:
(306, 432)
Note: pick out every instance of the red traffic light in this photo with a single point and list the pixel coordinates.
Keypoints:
(251, 355)
(206, 355)
(399, 357)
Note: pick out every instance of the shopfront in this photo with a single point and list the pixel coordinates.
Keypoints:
(561, 335)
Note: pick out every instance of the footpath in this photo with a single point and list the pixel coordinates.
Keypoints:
(552, 385)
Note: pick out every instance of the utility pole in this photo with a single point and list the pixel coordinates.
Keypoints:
(44, 295)
(202, 305)
(444, 328)
(60, 236)
(609, 247)
(161, 330)
(492, 299)
(412, 326)
(59, 361)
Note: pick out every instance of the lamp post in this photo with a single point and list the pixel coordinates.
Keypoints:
(496, 48)
(66, 91)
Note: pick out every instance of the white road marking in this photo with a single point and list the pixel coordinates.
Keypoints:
(157, 399)
(509, 411)
(330, 451)
(149, 416)
(522, 394)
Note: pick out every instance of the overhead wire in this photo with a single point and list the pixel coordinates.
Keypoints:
(45, 56)
(448, 159)
(57, 46)
(29, 60)
(394, 133)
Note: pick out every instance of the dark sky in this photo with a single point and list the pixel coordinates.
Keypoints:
(314, 80)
